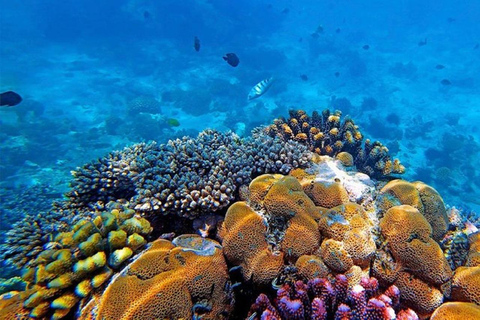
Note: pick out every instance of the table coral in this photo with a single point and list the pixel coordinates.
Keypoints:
(184, 278)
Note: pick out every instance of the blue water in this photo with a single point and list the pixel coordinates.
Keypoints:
(80, 65)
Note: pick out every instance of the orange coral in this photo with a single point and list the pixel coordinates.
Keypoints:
(327, 195)
(311, 266)
(345, 158)
(421, 196)
(301, 237)
(420, 296)
(457, 311)
(408, 235)
(335, 256)
(191, 273)
(466, 284)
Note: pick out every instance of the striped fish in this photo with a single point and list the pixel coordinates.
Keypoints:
(260, 88)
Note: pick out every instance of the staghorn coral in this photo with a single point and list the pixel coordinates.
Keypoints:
(78, 262)
(326, 134)
(321, 299)
(182, 279)
(420, 196)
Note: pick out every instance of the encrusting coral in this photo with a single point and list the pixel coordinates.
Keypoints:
(76, 263)
(327, 134)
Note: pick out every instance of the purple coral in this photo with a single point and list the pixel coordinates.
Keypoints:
(319, 300)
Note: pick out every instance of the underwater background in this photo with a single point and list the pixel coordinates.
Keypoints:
(97, 76)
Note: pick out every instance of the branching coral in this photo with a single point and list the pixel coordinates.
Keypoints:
(76, 263)
(320, 299)
(326, 134)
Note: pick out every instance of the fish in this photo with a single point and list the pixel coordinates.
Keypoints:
(445, 82)
(366, 47)
(338, 30)
(285, 11)
(422, 42)
(439, 66)
(337, 74)
(477, 46)
(172, 122)
(231, 59)
(304, 77)
(260, 88)
(196, 44)
(146, 14)
(10, 99)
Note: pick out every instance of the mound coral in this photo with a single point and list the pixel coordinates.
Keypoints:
(146, 104)
(420, 196)
(182, 279)
(78, 262)
(327, 134)
(281, 226)
(320, 299)
(457, 311)
(408, 235)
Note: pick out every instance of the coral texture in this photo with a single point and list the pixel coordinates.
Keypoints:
(457, 311)
(320, 299)
(327, 134)
(182, 279)
(78, 262)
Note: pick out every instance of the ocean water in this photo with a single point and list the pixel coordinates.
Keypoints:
(406, 71)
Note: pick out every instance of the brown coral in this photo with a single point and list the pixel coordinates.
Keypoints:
(188, 280)
(457, 311)
(420, 196)
(466, 284)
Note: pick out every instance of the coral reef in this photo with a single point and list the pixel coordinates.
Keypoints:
(457, 311)
(420, 196)
(326, 134)
(76, 263)
(185, 177)
(321, 299)
(145, 104)
(189, 274)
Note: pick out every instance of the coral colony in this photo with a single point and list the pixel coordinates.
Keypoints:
(301, 220)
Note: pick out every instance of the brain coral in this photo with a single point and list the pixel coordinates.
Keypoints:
(182, 279)
(420, 196)
(281, 227)
(78, 262)
(326, 134)
(466, 285)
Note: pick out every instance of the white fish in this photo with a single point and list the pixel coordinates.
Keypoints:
(260, 88)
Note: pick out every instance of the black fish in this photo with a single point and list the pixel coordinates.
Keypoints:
(445, 82)
(196, 44)
(338, 30)
(146, 14)
(422, 43)
(337, 74)
(231, 59)
(10, 99)
(366, 47)
(304, 77)
(450, 20)
(285, 11)
(439, 66)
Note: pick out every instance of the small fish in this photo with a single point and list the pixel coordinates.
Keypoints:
(422, 43)
(315, 35)
(439, 66)
(285, 11)
(304, 77)
(196, 44)
(260, 88)
(338, 30)
(477, 46)
(319, 29)
(172, 122)
(146, 14)
(445, 82)
(450, 20)
(337, 74)
(366, 47)
(10, 99)
(231, 59)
